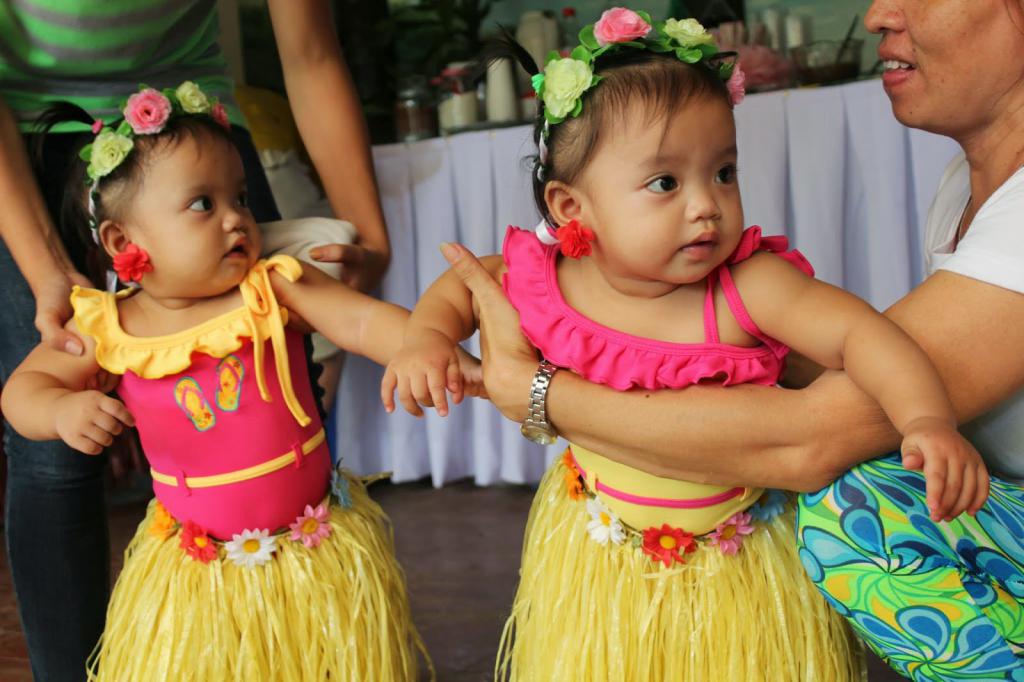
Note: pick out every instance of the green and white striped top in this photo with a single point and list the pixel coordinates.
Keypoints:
(95, 53)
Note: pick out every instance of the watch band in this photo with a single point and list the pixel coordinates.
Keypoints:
(536, 426)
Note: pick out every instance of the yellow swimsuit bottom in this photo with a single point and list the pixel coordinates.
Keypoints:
(642, 500)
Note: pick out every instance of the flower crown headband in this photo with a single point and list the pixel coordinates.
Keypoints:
(565, 80)
(147, 112)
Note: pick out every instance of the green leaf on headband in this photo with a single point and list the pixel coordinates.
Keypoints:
(85, 153)
(725, 70)
(553, 56)
(595, 80)
(708, 50)
(633, 43)
(643, 15)
(601, 50)
(659, 26)
(659, 46)
(587, 37)
(124, 129)
(580, 53)
(690, 55)
(551, 118)
(537, 80)
(578, 108)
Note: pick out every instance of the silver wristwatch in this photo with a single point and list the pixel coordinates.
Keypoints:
(536, 426)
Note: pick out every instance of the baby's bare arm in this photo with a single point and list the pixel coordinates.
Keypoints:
(50, 396)
(428, 366)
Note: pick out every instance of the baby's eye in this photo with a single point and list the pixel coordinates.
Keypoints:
(666, 183)
(201, 204)
(726, 174)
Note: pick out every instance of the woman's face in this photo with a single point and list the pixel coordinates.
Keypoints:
(951, 66)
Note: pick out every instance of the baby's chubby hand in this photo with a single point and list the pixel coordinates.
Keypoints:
(424, 371)
(89, 420)
(955, 475)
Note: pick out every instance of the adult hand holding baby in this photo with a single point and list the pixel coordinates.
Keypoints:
(509, 360)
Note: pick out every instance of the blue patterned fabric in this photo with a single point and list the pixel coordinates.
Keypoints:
(937, 601)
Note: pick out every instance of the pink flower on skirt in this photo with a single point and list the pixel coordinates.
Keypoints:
(620, 25)
(311, 527)
(147, 111)
(729, 534)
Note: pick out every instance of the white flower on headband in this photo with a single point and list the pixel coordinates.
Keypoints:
(565, 80)
(192, 99)
(107, 152)
(687, 32)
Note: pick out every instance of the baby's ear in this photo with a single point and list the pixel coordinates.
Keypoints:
(565, 202)
(113, 237)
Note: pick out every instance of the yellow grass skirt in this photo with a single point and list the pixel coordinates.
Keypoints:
(338, 611)
(586, 611)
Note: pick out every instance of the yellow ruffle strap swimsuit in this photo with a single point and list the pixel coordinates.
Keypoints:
(629, 576)
(255, 561)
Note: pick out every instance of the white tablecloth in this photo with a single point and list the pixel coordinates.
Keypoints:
(830, 167)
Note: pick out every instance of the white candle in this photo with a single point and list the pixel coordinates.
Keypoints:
(798, 30)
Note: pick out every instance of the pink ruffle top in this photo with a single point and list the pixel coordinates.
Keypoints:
(623, 361)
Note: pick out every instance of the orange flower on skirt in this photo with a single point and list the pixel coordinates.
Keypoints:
(163, 523)
(573, 480)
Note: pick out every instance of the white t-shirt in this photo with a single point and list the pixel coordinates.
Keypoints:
(992, 251)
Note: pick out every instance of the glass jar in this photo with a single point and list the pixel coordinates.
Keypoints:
(415, 115)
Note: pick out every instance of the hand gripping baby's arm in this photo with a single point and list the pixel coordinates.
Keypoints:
(52, 395)
(840, 331)
(431, 363)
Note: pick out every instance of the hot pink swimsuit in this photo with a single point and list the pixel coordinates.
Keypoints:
(607, 356)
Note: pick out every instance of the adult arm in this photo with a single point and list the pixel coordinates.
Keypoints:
(30, 236)
(330, 121)
(763, 436)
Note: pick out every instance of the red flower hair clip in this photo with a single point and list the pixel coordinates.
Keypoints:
(132, 263)
(574, 239)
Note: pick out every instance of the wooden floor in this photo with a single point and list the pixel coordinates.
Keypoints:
(460, 550)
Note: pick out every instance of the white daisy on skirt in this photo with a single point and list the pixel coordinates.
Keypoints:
(251, 548)
(604, 525)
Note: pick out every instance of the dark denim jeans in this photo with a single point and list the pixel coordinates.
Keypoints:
(56, 518)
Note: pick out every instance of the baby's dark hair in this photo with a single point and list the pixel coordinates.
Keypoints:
(629, 75)
(113, 192)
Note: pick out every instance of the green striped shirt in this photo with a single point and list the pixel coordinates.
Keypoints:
(96, 53)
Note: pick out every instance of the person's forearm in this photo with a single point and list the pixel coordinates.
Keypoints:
(25, 225)
(691, 434)
(329, 117)
(27, 403)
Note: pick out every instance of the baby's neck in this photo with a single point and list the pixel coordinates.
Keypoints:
(593, 276)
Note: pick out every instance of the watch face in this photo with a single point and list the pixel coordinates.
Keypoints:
(540, 435)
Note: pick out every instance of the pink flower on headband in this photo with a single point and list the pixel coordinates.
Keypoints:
(220, 115)
(97, 126)
(620, 25)
(737, 85)
(147, 111)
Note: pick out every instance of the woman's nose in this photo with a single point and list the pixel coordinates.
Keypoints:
(884, 15)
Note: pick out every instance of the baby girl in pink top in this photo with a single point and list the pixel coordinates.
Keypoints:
(651, 282)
